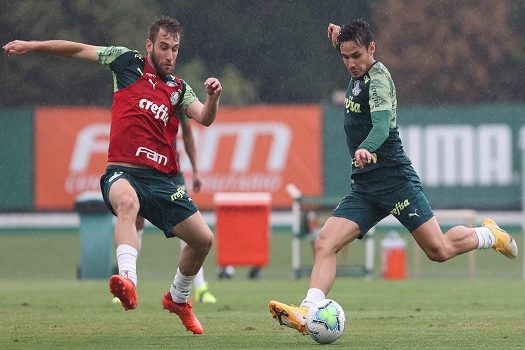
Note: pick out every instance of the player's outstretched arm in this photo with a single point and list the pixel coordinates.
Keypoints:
(63, 48)
(205, 113)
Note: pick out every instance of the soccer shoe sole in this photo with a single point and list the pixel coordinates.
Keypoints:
(287, 316)
(191, 323)
(123, 289)
(505, 243)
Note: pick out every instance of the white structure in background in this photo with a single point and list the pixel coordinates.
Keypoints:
(367, 270)
(522, 139)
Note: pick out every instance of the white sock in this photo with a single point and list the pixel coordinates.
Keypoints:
(180, 289)
(312, 296)
(139, 234)
(199, 279)
(127, 262)
(486, 238)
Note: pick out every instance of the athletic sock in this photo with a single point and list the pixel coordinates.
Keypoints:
(486, 238)
(312, 296)
(180, 289)
(127, 262)
(199, 279)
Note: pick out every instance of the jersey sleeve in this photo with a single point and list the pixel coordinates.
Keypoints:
(381, 104)
(107, 54)
(188, 99)
(380, 94)
(379, 132)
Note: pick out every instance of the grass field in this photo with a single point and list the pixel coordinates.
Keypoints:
(44, 306)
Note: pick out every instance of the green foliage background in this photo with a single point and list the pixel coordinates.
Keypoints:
(276, 51)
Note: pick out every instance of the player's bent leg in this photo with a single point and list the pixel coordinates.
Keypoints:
(199, 239)
(125, 203)
(441, 247)
(505, 243)
(336, 233)
(185, 313)
(289, 315)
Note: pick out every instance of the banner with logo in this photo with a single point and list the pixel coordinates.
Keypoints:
(466, 156)
(247, 149)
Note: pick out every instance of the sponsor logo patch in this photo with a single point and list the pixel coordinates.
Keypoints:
(398, 208)
(356, 90)
(174, 98)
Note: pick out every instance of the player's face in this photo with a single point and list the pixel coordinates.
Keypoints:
(357, 58)
(163, 52)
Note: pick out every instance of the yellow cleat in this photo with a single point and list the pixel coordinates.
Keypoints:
(289, 315)
(203, 295)
(505, 243)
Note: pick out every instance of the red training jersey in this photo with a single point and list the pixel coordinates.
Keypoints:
(144, 122)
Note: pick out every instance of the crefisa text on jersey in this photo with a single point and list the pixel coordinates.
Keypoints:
(160, 112)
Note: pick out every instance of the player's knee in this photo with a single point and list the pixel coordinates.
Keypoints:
(323, 246)
(204, 245)
(437, 254)
(209, 243)
(126, 204)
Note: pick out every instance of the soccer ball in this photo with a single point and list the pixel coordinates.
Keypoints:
(325, 321)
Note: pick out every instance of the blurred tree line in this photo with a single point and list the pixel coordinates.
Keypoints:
(443, 51)
(469, 51)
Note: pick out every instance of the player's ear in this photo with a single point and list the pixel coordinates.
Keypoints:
(372, 48)
(149, 45)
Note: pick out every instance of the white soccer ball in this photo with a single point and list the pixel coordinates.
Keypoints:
(325, 321)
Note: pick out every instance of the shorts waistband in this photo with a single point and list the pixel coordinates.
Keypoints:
(136, 171)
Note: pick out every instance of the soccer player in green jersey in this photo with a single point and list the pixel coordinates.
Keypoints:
(383, 180)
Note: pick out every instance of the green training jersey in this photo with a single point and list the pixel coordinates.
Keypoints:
(373, 92)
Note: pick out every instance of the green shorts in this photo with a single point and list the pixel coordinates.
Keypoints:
(163, 198)
(385, 191)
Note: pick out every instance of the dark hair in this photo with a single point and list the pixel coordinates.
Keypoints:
(356, 30)
(170, 25)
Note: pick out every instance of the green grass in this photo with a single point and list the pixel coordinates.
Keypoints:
(381, 315)
(44, 306)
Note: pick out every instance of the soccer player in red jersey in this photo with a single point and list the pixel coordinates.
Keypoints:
(148, 104)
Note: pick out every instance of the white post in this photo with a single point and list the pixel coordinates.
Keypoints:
(296, 195)
(369, 253)
(522, 137)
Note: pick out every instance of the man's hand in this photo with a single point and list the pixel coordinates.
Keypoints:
(333, 34)
(17, 47)
(213, 87)
(363, 157)
(197, 183)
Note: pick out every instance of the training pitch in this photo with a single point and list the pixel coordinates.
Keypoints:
(43, 306)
